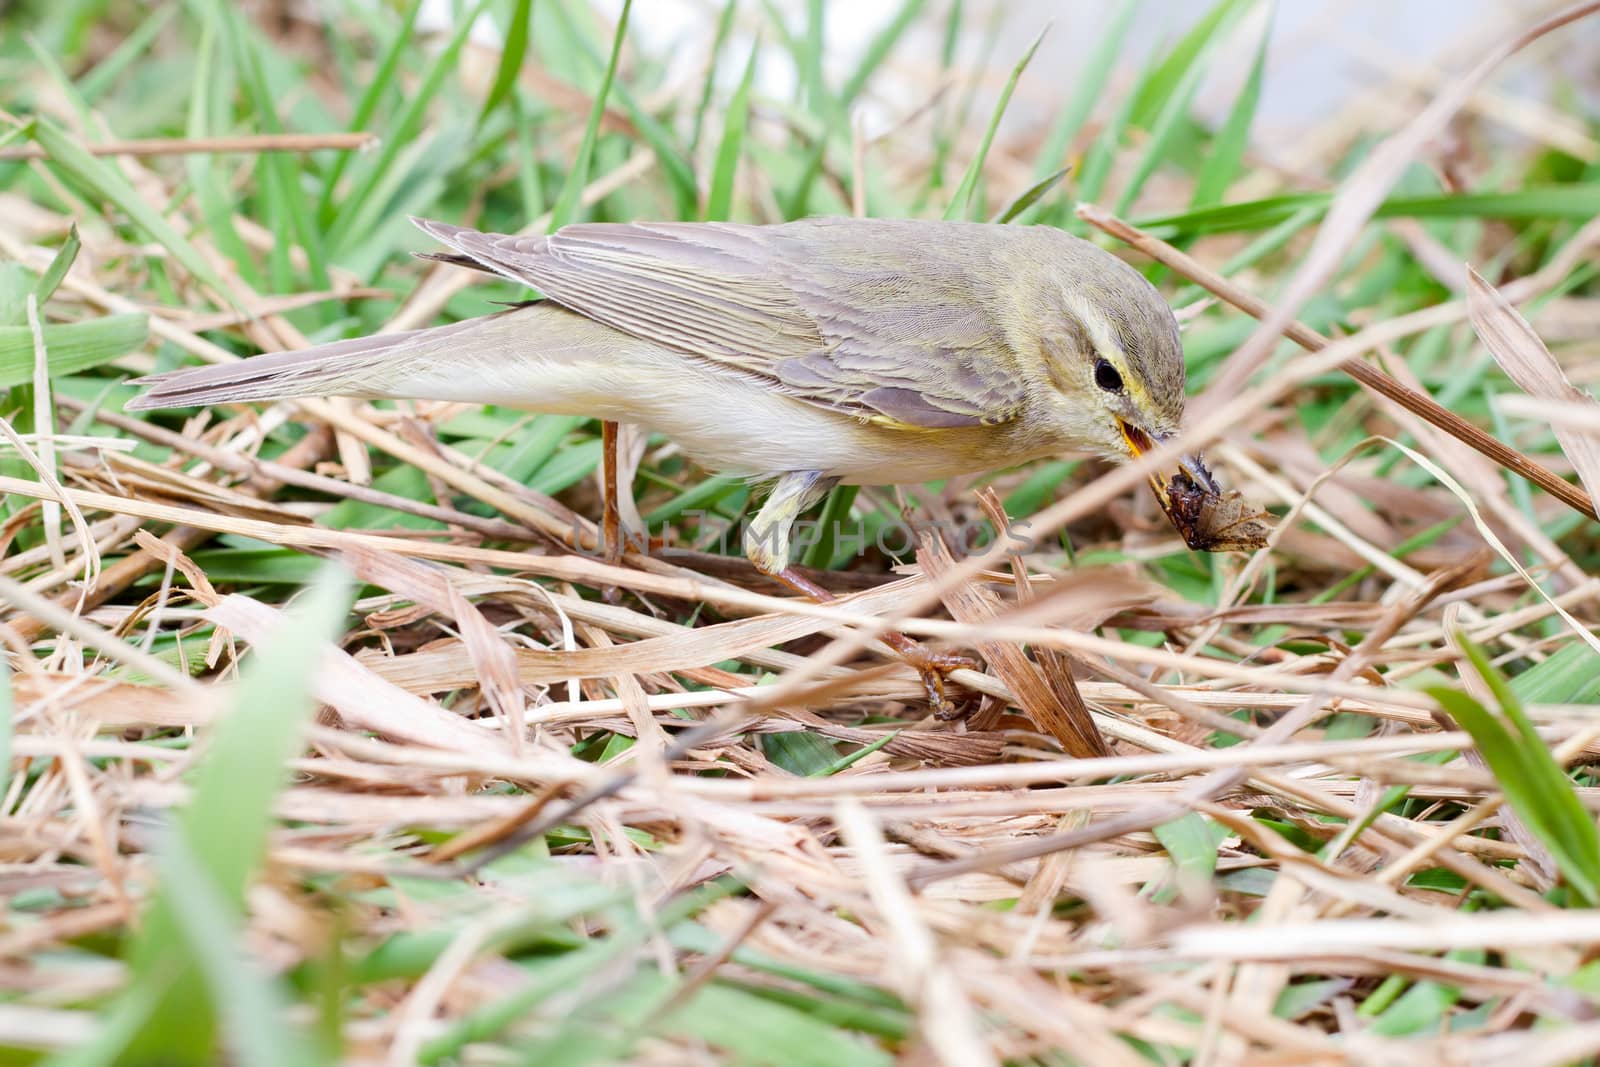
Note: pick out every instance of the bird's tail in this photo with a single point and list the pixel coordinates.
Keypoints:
(385, 365)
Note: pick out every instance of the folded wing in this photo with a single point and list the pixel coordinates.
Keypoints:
(838, 314)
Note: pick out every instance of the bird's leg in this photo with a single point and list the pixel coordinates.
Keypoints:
(766, 542)
(610, 513)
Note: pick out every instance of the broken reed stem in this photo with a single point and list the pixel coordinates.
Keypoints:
(1418, 403)
(182, 146)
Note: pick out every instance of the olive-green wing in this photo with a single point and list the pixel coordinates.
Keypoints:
(843, 315)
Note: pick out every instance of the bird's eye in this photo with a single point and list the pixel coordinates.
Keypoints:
(1106, 376)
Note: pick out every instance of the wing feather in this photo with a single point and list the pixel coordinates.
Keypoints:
(828, 311)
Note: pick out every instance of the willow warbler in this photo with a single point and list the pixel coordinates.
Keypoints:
(812, 353)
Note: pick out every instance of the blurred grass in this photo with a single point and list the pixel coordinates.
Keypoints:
(1534, 783)
(487, 144)
(189, 980)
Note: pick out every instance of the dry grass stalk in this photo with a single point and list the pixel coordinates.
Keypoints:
(1053, 703)
(484, 695)
(1526, 361)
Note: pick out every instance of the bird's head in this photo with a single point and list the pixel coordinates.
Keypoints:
(1115, 367)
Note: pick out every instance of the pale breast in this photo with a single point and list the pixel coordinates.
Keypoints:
(743, 427)
(543, 359)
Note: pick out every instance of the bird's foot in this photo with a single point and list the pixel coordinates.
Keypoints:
(934, 666)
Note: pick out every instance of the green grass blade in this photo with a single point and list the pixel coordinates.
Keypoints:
(1091, 87)
(512, 54)
(383, 81)
(129, 51)
(697, 499)
(830, 111)
(64, 257)
(670, 158)
(1098, 159)
(409, 187)
(960, 206)
(1030, 196)
(1525, 785)
(1161, 103)
(1191, 844)
(757, 1029)
(844, 763)
(402, 134)
(75, 162)
(284, 208)
(1534, 785)
(530, 182)
(1163, 138)
(1565, 814)
(1422, 1009)
(70, 347)
(567, 203)
(1228, 146)
(571, 968)
(1576, 202)
(800, 752)
(230, 814)
(709, 86)
(933, 181)
(878, 49)
(719, 201)
(1570, 676)
(62, 81)
(16, 133)
(821, 552)
(15, 285)
(253, 1007)
(213, 88)
(813, 85)
(224, 826)
(1161, 81)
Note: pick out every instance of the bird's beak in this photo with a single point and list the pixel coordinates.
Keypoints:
(1192, 481)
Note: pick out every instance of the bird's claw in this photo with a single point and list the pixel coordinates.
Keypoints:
(931, 664)
(934, 665)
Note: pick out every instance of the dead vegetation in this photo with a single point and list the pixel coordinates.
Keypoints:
(1275, 807)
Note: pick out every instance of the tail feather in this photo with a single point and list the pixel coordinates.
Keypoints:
(361, 366)
(386, 365)
(455, 259)
(465, 253)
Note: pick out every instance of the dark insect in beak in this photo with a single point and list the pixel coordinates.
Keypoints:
(1209, 519)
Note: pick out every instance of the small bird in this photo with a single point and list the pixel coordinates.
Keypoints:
(808, 353)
